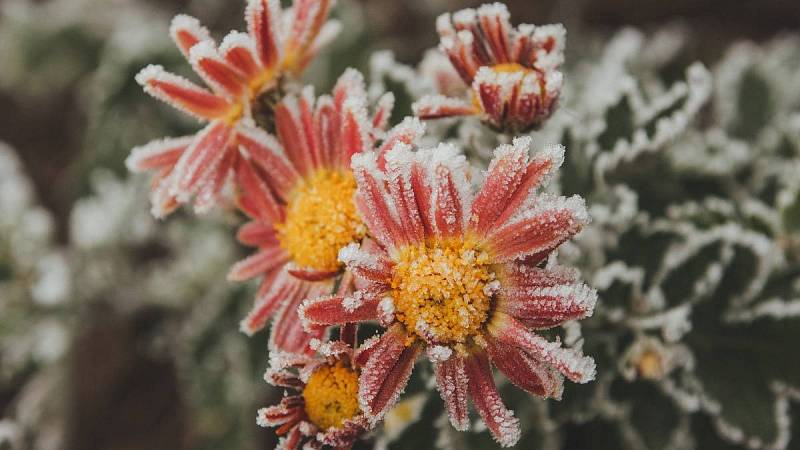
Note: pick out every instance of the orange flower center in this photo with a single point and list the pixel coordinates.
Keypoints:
(321, 218)
(510, 67)
(443, 289)
(331, 396)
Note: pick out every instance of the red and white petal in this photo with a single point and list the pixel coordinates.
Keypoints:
(525, 371)
(452, 381)
(310, 274)
(186, 31)
(257, 234)
(326, 35)
(264, 25)
(522, 275)
(408, 132)
(350, 85)
(345, 435)
(266, 153)
(541, 166)
(263, 261)
(500, 421)
(386, 373)
(284, 378)
(159, 154)
(547, 306)
(375, 206)
(211, 191)
(570, 362)
(355, 130)
(255, 198)
(326, 130)
(218, 73)
(338, 309)
(398, 165)
(292, 440)
(289, 410)
(201, 160)
(552, 221)
(182, 93)
(293, 133)
(496, 30)
(274, 290)
(367, 262)
(239, 50)
(288, 333)
(383, 111)
(450, 190)
(439, 106)
(162, 202)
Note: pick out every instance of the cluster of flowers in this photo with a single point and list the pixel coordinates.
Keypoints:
(353, 222)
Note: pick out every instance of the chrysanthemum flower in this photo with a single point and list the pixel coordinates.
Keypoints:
(324, 411)
(301, 199)
(279, 43)
(462, 277)
(513, 72)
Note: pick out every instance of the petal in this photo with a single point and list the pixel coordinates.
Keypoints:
(216, 72)
(255, 198)
(500, 421)
(551, 222)
(398, 167)
(186, 31)
(288, 333)
(259, 263)
(182, 93)
(210, 192)
(263, 23)
(307, 20)
(452, 381)
(386, 373)
(439, 106)
(367, 262)
(496, 30)
(383, 111)
(524, 371)
(291, 441)
(547, 306)
(163, 203)
(570, 362)
(408, 132)
(257, 234)
(326, 129)
(239, 50)
(289, 410)
(338, 309)
(355, 130)
(198, 164)
(373, 203)
(274, 289)
(267, 154)
(450, 190)
(162, 153)
(309, 274)
(344, 436)
(292, 132)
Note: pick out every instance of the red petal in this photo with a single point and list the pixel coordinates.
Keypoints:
(449, 197)
(267, 154)
(337, 309)
(182, 93)
(372, 201)
(160, 154)
(408, 132)
(275, 288)
(308, 274)
(239, 50)
(259, 263)
(524, 371)
(570, 362)
(500, 421)
(354, 133)
(292, 134)
(452, 381)
(255, 198)
(439, 106)
(383, 111)
(211, 191)
(503, 177)
(326, 128)
(186, 31)
(309, 15)
(551, 222)
(344, 436)
(199, 163)
(288, 411)
(288, 333)
(216, 71)
(367, 262)
(263, 23)
(547, 306)
(257, 234)
(386, 373)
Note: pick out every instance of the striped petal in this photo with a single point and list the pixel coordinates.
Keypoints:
(162, 153)
(259, 263)
(274, 290)
(199, 162)
(263, 23)
(182, 93)
(373, 203)
(452, 382)
(288, 333)
(186, 31)
(439, 106)
(216, 71)
(267, 154)
(339, 309)
(524, 371)
(547, 306)
(255, 198)
(239, 50)
(257, 234)
(498, 419)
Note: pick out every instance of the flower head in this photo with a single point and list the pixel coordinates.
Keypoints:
(300, 195)
(279, 43)
(324, 410)
(513, 72)
(461, 276)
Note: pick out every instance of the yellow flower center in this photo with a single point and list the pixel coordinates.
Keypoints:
(331, 396)
(321, 218)
(650, 365)
(510, 67)
(443, 289)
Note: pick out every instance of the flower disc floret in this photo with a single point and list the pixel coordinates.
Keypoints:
(442, 289)
(331, 395)
(320, 219)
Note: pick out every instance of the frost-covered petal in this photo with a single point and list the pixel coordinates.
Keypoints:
(386, 373)
(197, 165)
(264, 26)
(275, 289)
(439, 106)
(182, 93)
(288, 333)
(289, 410)
(345, 435)
(186, 31)
(211, 191)
(339, 309)
(570, 362)
(372, 201)
(525, 371)
(366, 262)
(161, 153)
(254, 197)
(354, 135)
(547, 306)
(216, 71)
(257, 234)
(452, 381)
(293, 132)
(267, 154)
(383, 111)
(500, 421)
(239, 50)
(259, 263)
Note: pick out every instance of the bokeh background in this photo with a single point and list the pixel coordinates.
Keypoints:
(126, 339)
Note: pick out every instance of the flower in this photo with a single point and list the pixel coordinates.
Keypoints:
(461, 277)
(301, 199)
(513, 72)
(246, 66)
(325, 408)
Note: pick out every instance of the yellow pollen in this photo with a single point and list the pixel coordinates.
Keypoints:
(234, 114)
(441, 289)
(510, 67)
(331, 395)
(650, 365)
(321, 218)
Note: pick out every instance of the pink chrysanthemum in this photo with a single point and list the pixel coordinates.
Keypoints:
(513, 72)
(324, 411)
(461, 276)
(244, 67)
(300, 198)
